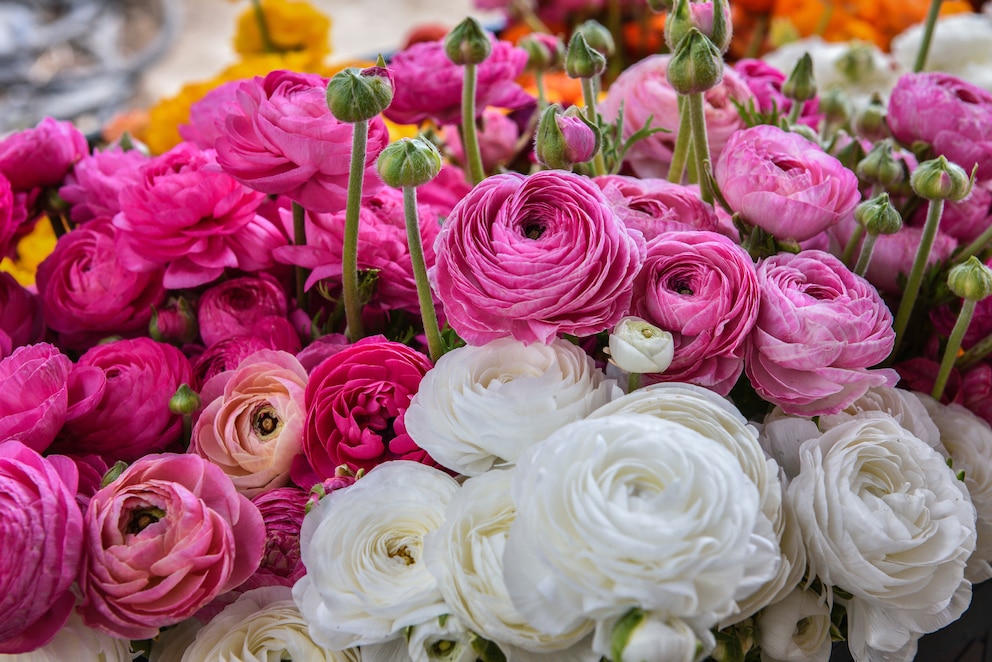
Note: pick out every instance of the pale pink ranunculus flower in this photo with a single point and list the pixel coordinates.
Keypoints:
(42, 534)
(655, 206)
(246, 306)
(251, 425)
(93, 185)
(820, 328)
(894, 253)
(21, 321)
(35, 382)
(41, 156)
(532, 257)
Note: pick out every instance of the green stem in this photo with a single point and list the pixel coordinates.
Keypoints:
(974, 248)
(589, 96)
(928, 28)
(427, 312)
(633, 381)
(614, 23)
(473, 154)
(912, 290)
(300, 239)
(975, 353)
(542, 95)
(682, 142)
(852, 244)
(349, 260)
(263, 27)
(864, 258)
(796, 111)
(758, 36)
(953, 345)
(700, 145)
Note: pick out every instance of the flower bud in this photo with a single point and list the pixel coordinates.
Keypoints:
(582, 60)
(185, 401)
(637, 346)
(800, 85)
(545, 52)
(409, 162)
(857, 63)
(878, 216)
(806, 132)
(357, 95)
(938, 179)
(175, 323)
(564, 139)
(113, 473)
(880, 166)
(870, 122)
(598, 37)
(710, 18)
(696, 65)
(971, 279)
(849, 151)
(836, 107)
(468, 43)
(640, 636)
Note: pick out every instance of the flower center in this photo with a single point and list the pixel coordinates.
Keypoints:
(534, 230)
(143, 518)
(441, 648)
(404, 553)
(265, 422)
(680, 286)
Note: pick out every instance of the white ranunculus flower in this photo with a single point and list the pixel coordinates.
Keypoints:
(781, 436)
(902, 405)
(362, 548)
(640, 636)
(961, 45)
(638, 347)
(630, 511)
(967, 440)
(481, 407)
(887, 521)
(442, 639)
(79, 643)
(795, 629)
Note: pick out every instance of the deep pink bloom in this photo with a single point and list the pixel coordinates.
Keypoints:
(41, 156)
(964, 220)
(785, 184)
(280, 138)
(226, 355)
(532, 257)
(429, 85)
(976, 390)
(161, 541)
(820, 327)
(21, 322)
(34, 381)
(10, 220)
(91, 189)
(498, 136)
(321, 348)
(765, 83)
(656, 206)
(702, 288)
(246, 306)
(41, 529)
(282, 511)
(355, 403)
(206, 116)
(443, 192)
(89, 295)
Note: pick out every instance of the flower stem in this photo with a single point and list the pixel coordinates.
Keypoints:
(796, 111)
(975, 353)
(980, 243)
(928, 28)
(542, 95)
(427, 312)
(758, 36)
(852, 244)
(263, 27)
(300, 239)
(589, 96)
(912, 290)
(953, 345)
(633, 381)
(864, 258)
(473, 154)
(700, 145)
(682, 142)
(349, 260)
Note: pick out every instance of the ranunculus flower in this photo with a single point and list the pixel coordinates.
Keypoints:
(226, 355)
(429, 85)
(643, 90)
(702, 288)
(894, 253)
(41, 529)
(88, 294)
(363, 549)
(637, 346)
(251, 425)
(976, 390)
(964, 220)
(10, 220)
(246, 306)
(282, 512)
(21, 322)
(819, 330)
(91, 189)
(161, 541)
(657, 638)
(765, 82)
(41, 156)
(962, 46)
(35, 382)
(280, 138)
(356, 401)
(206, 116)
(795, 629)
(656, 206)
(785, 184)
(443, 192)
(76, 641)
(952, 116)
(532, 257)
(482, 407)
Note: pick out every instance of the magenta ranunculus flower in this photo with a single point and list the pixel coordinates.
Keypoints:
(429, 85)
(41, 156)
(226, 355)
(951, 115)
(656, 206)
(785, 184)
(282, 511)
(532, 257)
(91, 189)
(10, 219)
(88, 295)
(819, 330)
(245, 306)
(41, 530)
(21, 322)
(280, 138)
(765, 83)
(34, 381)
(355, 403)
(161, 541)
(702, 288)
(643, 91)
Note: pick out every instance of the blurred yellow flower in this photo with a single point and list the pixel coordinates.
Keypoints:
(32, 249)
(290, 26)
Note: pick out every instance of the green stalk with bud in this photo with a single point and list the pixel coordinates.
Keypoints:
(469, 45)
(972, 281)
(800, 87)
(584, 62)
(877, 216)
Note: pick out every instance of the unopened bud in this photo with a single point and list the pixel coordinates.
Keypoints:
(800, 86)
(849, 151)
(710, 18)
(638, 636)
(857, 63)
(696, 65)
(880, 166)
(409, 162)
(468, 43)
(357, 95)
(939, 179)
(970, 280)
(582, 60)
(637, 346)
(870, 122)
(113, 473)
(564, 139)
(878, 216)
(836, 106)
(185, 401)
(175, 323)
(806, 132)
(598, 37)
(545, 52)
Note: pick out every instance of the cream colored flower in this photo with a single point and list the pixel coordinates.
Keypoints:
(637, 346)
(795, 629)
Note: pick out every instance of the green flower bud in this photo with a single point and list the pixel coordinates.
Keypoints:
(938, 179)
(800, 86)
(409, 162)
(847, 150)
(696, 65)
(857, 63)
(677, 23)
(175, 323)
(806, 132)
(468, 43)
(113, 473)
(878, 216)
(544, 51)
(880, 166)
(598, 37)
(564, 139)
(185, 401)
(357, 95)
(836, 106)
(870, 122)
(582, 60)
(971, 279)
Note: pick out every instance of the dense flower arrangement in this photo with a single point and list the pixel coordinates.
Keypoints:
(697, 367)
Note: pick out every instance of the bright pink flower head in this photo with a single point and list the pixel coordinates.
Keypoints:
(41, 528)
(443, 192)
(91, 189)
(282, 511)
(89, 295)
(10, 217)
(702, 288)
(41, 156)
(163, 540)
(951, 115)
(429, 85)
(976, 390)
(643, 91)
(765, 83)
(964, 220)
(355, 402)
(820, 327)
(532, 257)
(206, 116)
(246, 306)
(21, 322)
(34, 381)
(785, 184)
(226, 355)
(280, 138)
(656, 206)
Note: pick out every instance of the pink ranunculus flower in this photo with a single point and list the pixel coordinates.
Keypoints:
(964, 220)
(702, 288)
(976, 390)
(532, 257)
(356, 400)
(41, 156)
(643, 91)
(951, 115)
(656, 206)
(41, 529)
(282, 511)
(894, 253)
(161, 541)
(226, 355)
(35, 382)
(88, 295)
(498, 136)
(251, 425)
(442, 193)
(245, 306)
(429, 85)
(21, 322)
(820, 328)
(91, 189)
(130, 414)
(785, 184)
(206, 116)
(280, 138)
(321, 348)
(765, 82)
(10, 217)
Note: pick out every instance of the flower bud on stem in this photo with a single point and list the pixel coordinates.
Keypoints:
(877, 216)
(349, 258)
(468, 44)
(800, 86)
(973, 282)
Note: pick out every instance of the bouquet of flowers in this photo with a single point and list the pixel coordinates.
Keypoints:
(444, 359)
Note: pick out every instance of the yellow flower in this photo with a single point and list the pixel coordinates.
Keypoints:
(291, 26)
(32, 249)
